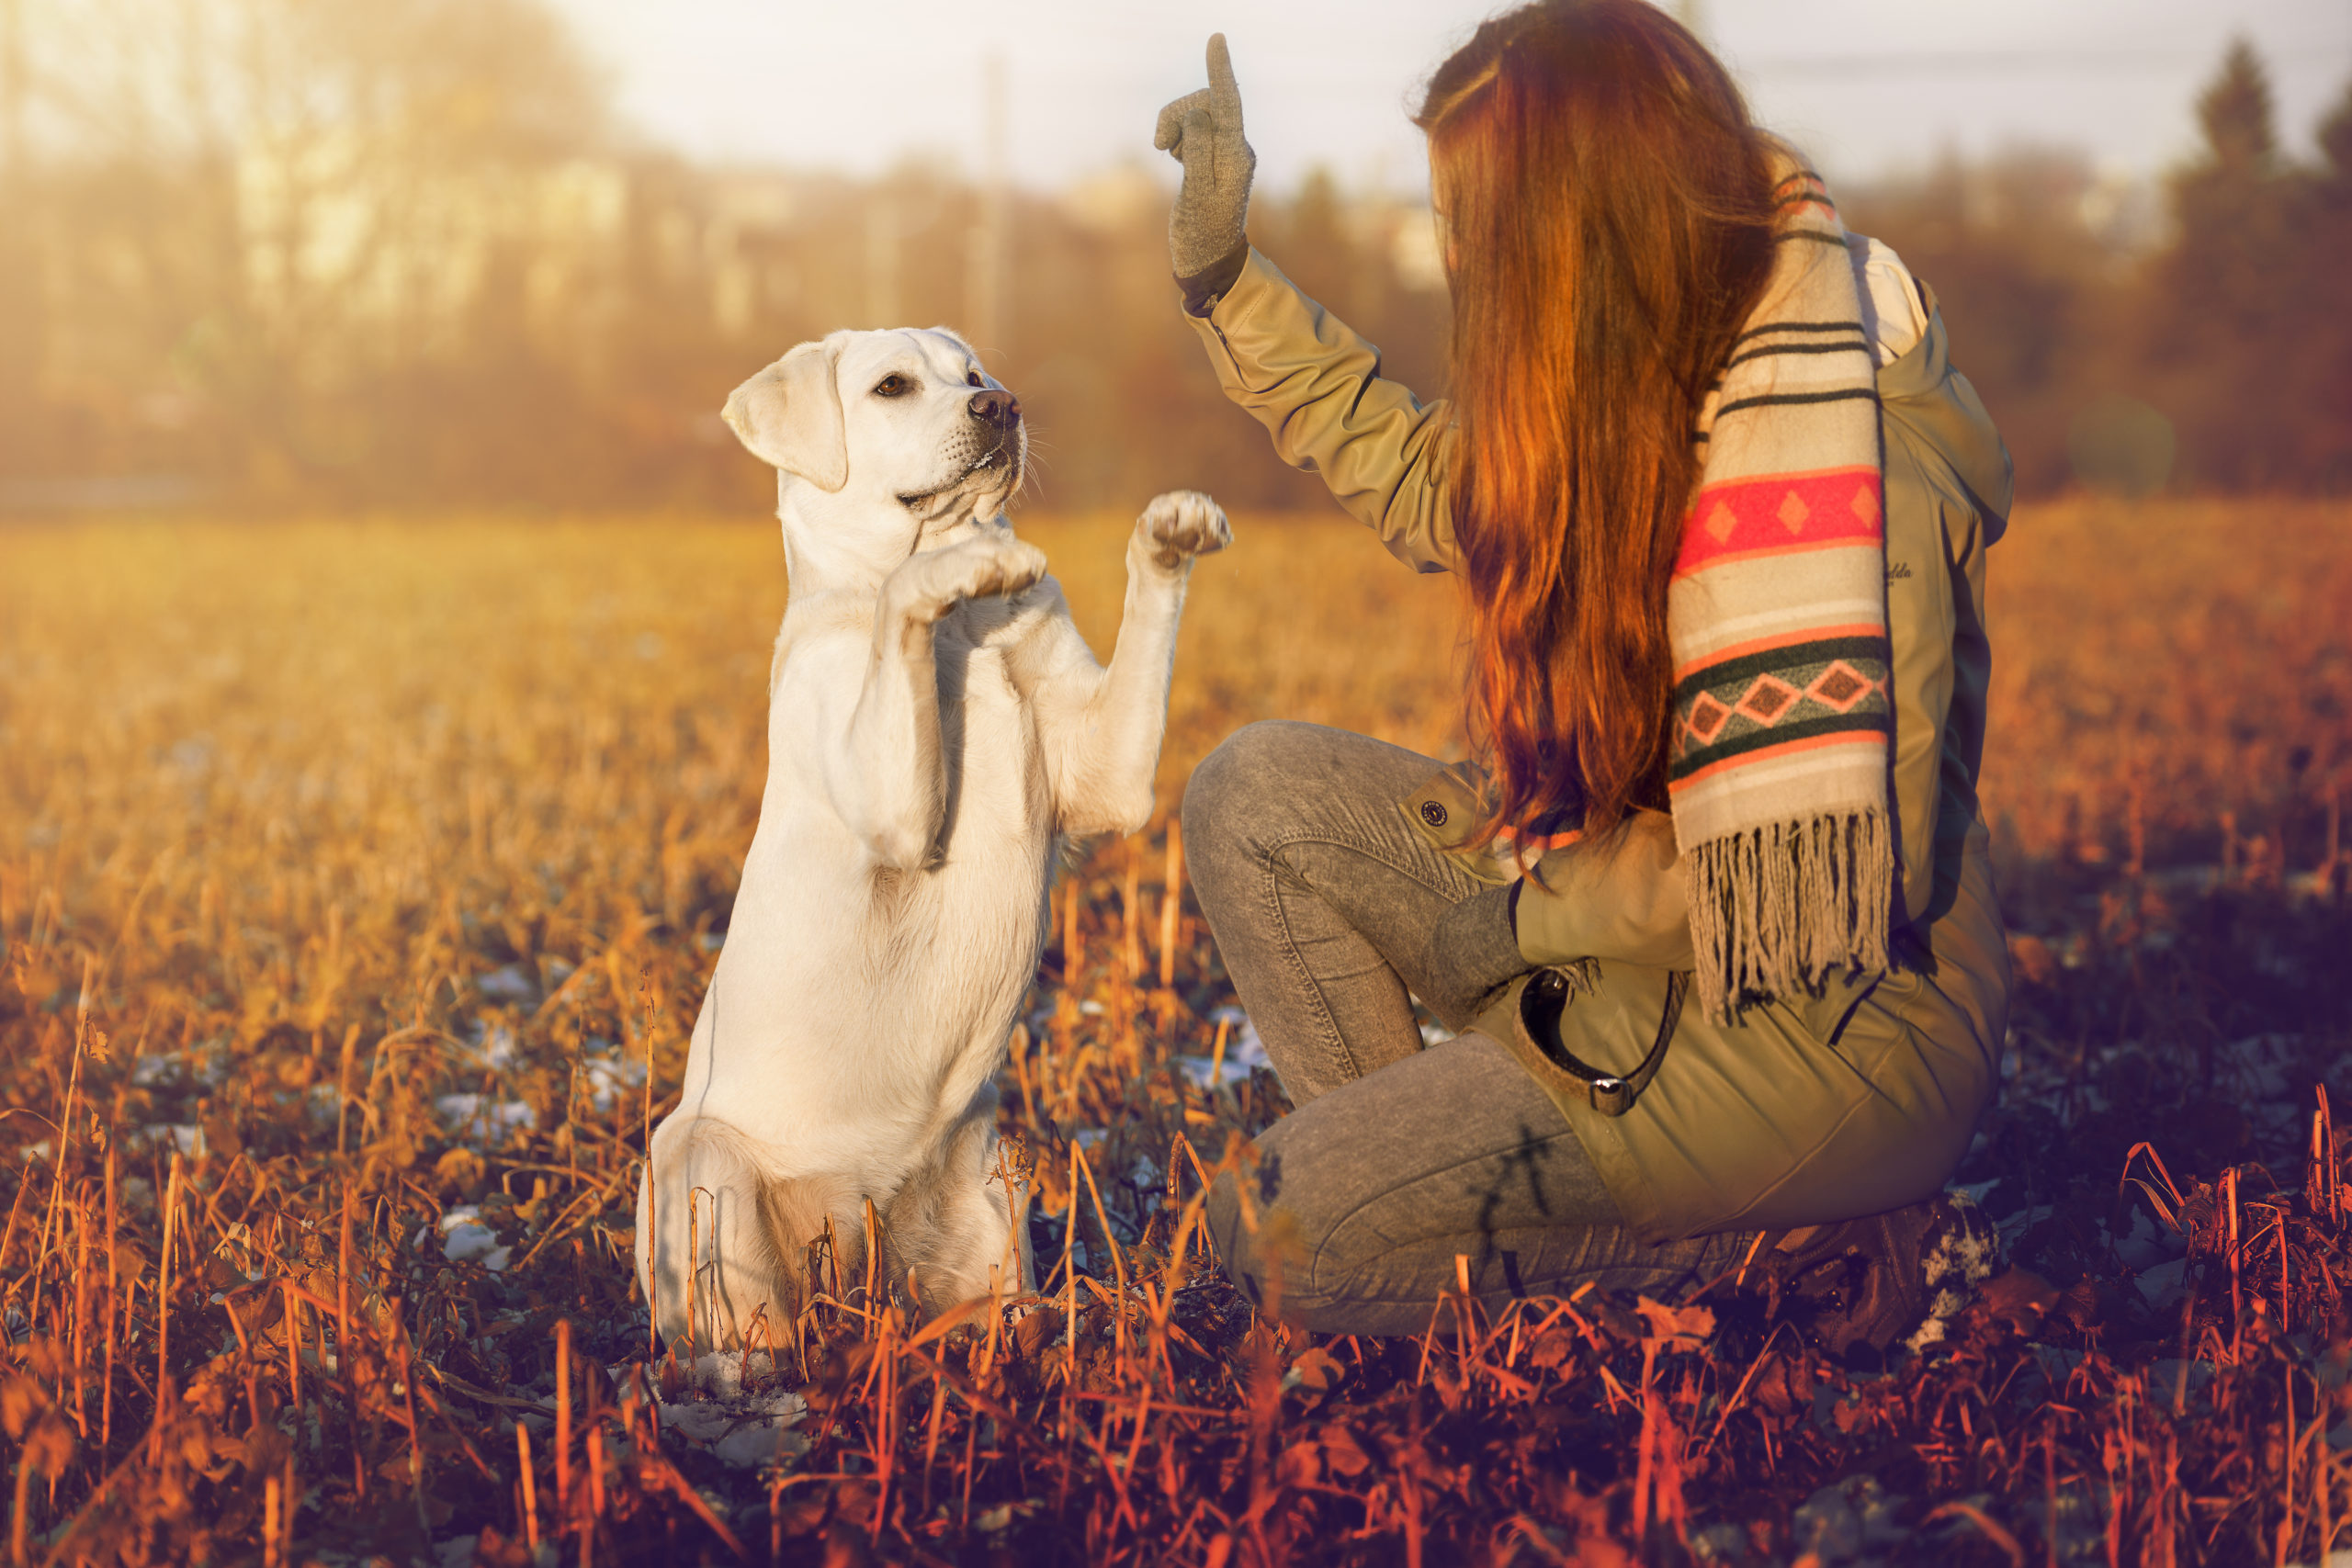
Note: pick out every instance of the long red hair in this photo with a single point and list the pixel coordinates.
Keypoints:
(1608, 216)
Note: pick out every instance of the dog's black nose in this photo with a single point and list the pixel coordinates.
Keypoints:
(1000, 410)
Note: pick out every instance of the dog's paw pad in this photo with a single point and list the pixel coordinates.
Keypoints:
(1181, 523)
(1019, 565)
(978, 569)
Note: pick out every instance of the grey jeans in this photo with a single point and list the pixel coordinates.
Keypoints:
(1333, 913)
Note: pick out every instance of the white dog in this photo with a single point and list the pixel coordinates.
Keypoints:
(935, 726)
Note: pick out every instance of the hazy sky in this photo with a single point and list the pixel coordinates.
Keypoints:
(1865, 85)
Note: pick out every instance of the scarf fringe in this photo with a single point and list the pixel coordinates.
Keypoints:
(1777, 909)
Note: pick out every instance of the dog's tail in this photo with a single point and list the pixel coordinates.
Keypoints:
(762, 1243)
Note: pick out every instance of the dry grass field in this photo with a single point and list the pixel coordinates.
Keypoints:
(353, 873)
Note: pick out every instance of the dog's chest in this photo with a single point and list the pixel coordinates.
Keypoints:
(997, 783)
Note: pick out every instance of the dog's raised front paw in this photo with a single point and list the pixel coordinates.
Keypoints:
(1181, 524)
(933, 583)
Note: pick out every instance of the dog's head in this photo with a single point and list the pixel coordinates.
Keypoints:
(905, 417)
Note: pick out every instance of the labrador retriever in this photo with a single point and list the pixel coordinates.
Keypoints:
(936, 728)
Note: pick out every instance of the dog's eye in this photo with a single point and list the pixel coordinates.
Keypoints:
(972, 379)
(893, 386)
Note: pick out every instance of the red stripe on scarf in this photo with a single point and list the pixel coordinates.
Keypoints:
(1780, 512)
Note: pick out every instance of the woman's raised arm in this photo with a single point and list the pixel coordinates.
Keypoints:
(1313, 384)
(1316, 385)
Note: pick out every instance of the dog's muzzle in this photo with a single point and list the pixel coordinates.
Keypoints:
(990, 447)
(998, 411)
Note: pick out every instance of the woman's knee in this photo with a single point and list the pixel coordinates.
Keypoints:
(1261, 1252)
(1240, 790)
(1274, 1224)
(1231, 1237)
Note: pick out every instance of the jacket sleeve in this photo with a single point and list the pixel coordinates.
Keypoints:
(1920, 621)
(1948, 496)
(1316, 388)
(1618, 898)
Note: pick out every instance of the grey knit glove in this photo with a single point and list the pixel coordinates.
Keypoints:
(1203, 132)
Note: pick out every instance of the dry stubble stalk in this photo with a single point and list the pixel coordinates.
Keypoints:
(1171, 905)
(105, 1384)
(652, 1197)
(530, 1485)
(163, 1302)
(563, 1422)
(64, 1138)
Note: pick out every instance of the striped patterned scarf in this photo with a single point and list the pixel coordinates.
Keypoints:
(1777, 617)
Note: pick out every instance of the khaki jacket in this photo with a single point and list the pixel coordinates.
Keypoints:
(1809, 1108)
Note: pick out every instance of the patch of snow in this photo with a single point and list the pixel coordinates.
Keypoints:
(1243, 1051)
(480, 1118)
(610, 1076)
(1199, 1071)
(489, 1048)
(2024, 1220)
(321, 1100)
(465, 1239)
(2255, 1066)
(2161, 1285)
(510, 983)
(743, 1430)
(186, 1137)
(2145, 1246)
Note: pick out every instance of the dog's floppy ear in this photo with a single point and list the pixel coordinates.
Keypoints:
(790, 416)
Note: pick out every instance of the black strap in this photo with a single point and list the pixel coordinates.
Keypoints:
(1545, 997)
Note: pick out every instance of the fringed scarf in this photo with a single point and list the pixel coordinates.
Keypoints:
(1777, 618)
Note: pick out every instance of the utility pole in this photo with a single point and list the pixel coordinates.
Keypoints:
(883, 233)
(14, 153)
(989, 268)
(21, 347)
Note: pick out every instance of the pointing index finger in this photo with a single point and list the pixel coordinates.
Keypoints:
(1225, 93)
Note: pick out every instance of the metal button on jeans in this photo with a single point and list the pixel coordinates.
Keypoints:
(1433, 813)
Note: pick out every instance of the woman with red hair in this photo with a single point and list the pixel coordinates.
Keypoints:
(1712, 911)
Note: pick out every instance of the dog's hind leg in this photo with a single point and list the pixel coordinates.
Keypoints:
(745, 1230)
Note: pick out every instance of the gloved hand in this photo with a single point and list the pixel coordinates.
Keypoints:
(1203, 132)
(1473, 954)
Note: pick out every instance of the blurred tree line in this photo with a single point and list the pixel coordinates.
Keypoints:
(272, 253)
(2196, 339)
